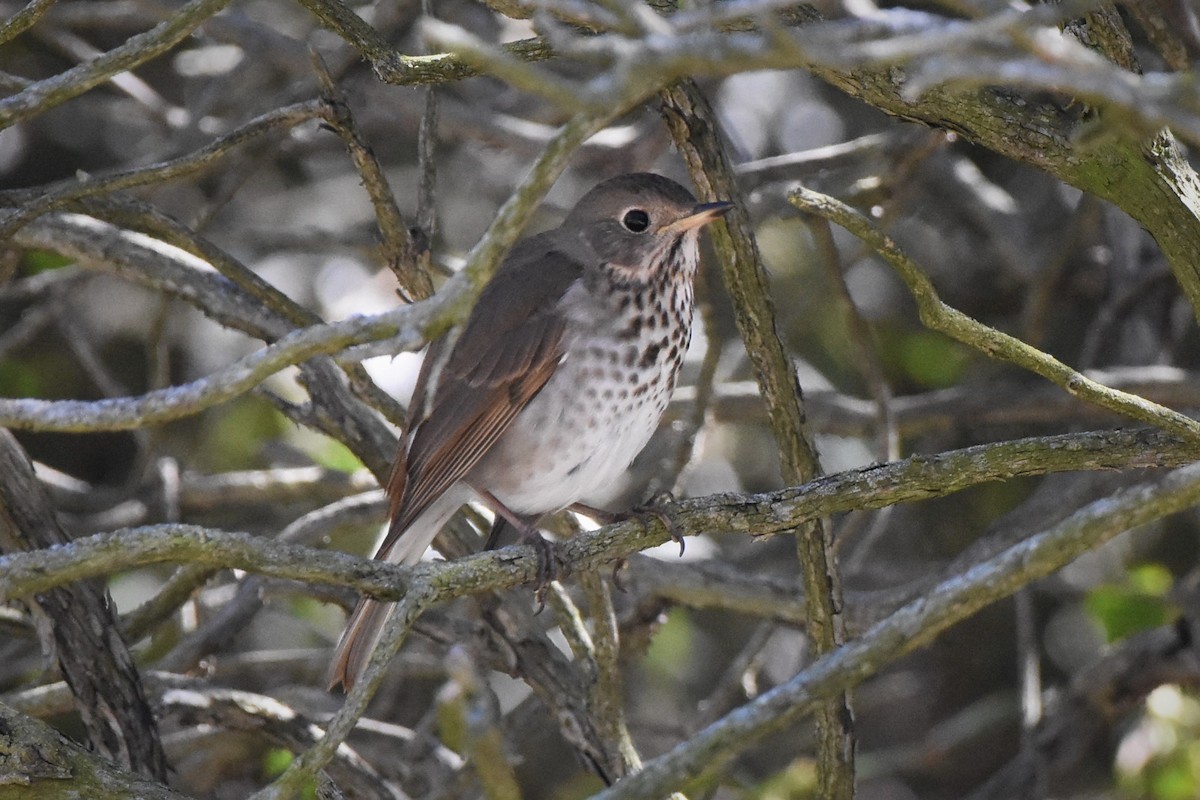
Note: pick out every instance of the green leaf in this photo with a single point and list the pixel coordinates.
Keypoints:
(335, 455)
(36, 261)
(932, 360)
(18, 379)
(672, 644)
(276, 761)
(1174, 780)
(1137, 604)
(279, 759)
(1152, 579)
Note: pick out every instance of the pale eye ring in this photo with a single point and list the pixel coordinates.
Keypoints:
(635, 220)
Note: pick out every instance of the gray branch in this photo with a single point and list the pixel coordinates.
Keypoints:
(911, 627)
(912, 479)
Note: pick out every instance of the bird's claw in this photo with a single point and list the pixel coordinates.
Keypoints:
(654, 508)
(550, 567)
(651, 508)
(617, 580)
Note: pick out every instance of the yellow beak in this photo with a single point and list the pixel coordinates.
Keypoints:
(701, 214)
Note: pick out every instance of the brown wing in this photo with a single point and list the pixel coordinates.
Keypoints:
(422, 397)
(511, 345)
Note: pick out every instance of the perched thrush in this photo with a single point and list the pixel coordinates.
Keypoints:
(559, 377)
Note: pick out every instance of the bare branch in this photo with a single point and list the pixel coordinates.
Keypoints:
(34, 754)
(912, 479)
(80, 622)
(941, 317)
(399, 250)
(18, 23)
(32, 203)
(695, 130)
(406, 325)
(910, 628)
(48, 93)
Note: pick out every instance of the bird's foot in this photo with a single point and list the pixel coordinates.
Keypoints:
(618, 581)
(654, 507)
(551, 566)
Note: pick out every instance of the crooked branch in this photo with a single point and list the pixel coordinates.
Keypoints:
(912, 479)
(405, 325)
(909, 628)
(938, 316)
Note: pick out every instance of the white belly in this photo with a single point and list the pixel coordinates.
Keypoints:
(580, 433)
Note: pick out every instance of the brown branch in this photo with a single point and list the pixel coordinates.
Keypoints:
(911, 627)
(400, 252)
(938, 316)
(909, 480)
(46, 94)
(42, 763)
(694, 128)
(81, 622)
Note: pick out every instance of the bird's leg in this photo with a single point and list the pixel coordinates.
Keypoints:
(550, 565)
(651, 508)
(499, 523)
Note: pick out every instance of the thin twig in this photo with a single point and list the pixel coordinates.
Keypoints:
(1019, 399)
(468, 716)
(427, 221)
(21, 21)
(32, 203)
(703, 389)
(46, 94)
(174, 592)
(487, 59)
(938, 316)
(162, 405)
(305, 767)
(866, 356)
(400, 253)
(607, 695)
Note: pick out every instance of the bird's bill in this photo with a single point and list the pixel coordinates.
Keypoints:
(701, 214)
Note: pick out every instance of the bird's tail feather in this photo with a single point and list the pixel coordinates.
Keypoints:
(365, 626)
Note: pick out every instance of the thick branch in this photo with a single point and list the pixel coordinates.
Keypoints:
(912, 479)
(694, 128)
(49, 765)
(82, 625)
(910, 628)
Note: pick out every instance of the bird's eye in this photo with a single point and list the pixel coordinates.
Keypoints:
(636, 220)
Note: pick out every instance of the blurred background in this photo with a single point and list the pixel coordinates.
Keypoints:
(1003, 242)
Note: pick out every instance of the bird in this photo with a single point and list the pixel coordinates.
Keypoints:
(558, 379)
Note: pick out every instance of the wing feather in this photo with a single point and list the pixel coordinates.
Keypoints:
(510, 347)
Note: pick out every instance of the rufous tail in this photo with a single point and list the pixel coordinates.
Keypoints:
(365, 626)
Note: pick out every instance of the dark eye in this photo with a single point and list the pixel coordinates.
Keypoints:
(636, 220)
